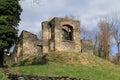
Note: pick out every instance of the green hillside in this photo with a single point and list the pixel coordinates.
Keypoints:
(2, 75)
(73, 65)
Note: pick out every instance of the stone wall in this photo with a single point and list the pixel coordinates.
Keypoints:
(30, 77)
(27, 45)
(86, 46)
(30, 43)
(45, 36)
(73, 45)
(52, 35)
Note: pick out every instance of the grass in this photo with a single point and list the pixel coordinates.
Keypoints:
(92, 73)
(2, 75)
(73, 65)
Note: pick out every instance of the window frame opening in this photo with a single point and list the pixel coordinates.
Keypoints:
(39, 48)
(67, 33)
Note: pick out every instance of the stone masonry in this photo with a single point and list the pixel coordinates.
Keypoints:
(30, 77)
(27, 45)
(86, 46)
(58, 34)
(54, 32)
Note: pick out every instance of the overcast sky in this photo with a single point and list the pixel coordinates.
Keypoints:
(87, 11)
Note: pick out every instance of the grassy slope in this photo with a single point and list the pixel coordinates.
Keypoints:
(2, 76)
(74, 65)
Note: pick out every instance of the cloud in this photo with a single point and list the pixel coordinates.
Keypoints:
(89, 12)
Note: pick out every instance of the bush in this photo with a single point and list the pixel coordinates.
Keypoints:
(32, 60)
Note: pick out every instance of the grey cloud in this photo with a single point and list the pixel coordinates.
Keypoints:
(89, 11)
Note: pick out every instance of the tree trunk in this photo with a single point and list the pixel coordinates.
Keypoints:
(1, 57)
(94, 47)
(118, 46)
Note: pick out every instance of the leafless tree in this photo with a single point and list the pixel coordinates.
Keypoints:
(115, 28)
(104, 38)
(96, 45)
(85, 33)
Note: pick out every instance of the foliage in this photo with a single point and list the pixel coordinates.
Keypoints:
(32, 60)
(2, 75)
(10, 11)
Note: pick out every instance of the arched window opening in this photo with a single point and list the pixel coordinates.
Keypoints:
(67, 33)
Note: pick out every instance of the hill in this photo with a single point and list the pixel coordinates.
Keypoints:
(79, 65)
(2, 75)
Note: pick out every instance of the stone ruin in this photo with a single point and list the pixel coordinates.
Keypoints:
(30, 77)
(58, 34)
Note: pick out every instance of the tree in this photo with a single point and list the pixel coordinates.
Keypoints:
(104, 38)
(10, 11)
(85, 33)
(115, 28)
(95, 43)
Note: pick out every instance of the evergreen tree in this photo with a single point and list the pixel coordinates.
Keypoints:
(10, 11)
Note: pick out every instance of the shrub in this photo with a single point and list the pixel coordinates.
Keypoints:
(32, 60)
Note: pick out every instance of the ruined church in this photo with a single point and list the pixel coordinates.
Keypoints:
(58, 34)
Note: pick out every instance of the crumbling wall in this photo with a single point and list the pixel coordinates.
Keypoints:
(47, 32)
(52, 35)
(18, 50)
(27, 45)
(31, 77)
(86, 46)
(30, 43)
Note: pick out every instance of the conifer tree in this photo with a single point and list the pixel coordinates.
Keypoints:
(10, 11)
